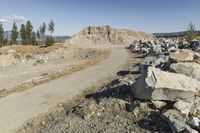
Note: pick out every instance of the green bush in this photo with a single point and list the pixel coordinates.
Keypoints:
(191, 32)
(49, 41)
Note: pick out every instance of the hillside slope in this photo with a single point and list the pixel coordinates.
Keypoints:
(109, 35)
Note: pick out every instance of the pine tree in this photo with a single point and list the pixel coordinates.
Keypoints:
(43, 28)
(33, 38)
(38, 35)
(191, 32)
(51, 27)
(50, 40)
(14, 34)
(23, 34)
(29, 30)
(2, 38)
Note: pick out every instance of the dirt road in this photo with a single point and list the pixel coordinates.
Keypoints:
(15, 109)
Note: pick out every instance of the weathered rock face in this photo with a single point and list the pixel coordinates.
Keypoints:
(183, 106)
(108, 35)
(190, 69)
(155, 84)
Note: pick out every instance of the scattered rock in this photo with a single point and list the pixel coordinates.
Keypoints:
(155, 84)
(127, 80)
(160, 62)
(159, 104)
(88, 110)
(175, 120)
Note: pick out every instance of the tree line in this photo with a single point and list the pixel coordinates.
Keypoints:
(27, 35)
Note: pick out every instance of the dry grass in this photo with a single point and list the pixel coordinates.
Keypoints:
(24, 49)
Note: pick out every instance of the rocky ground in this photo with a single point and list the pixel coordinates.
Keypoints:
(158, 90)
(144, 98)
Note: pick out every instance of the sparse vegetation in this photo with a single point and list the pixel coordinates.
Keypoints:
(191, 32)
(49, 41)
(27, 35)
(28, 57)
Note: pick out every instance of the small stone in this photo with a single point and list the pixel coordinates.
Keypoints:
(60, 104)
(159, 104)
(88, 110)
(43, 123)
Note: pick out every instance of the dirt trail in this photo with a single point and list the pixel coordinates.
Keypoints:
(15, 109)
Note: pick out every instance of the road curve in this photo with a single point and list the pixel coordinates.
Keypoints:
(15, 109)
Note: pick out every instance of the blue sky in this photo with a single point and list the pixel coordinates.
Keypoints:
(70, 16)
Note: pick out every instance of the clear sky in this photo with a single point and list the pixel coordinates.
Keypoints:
(70, 16)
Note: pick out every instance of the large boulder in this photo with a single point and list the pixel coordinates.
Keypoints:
(155, 84)
(190, 69)
(184, 56)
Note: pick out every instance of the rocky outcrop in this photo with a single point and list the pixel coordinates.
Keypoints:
(108, 35)
(155, 84)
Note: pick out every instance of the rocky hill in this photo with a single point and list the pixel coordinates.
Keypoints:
(109, 35)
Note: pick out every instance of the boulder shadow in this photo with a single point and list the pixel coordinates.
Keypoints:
(154, 123)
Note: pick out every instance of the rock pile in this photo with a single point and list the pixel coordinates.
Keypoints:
(9, 59)
(174, 91)
(108, 35)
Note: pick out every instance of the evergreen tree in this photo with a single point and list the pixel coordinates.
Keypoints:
(2, 37)
(50, 40)
(23, 34)
(38, 35)
(43, 28)
(14, 34)
(191, 32)
(29, 30)
(51, 27)
(33, 38)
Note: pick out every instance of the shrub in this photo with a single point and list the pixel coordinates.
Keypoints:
(49, 41)
(191, 32)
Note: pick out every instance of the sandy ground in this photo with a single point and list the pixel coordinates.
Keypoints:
(20, 107)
